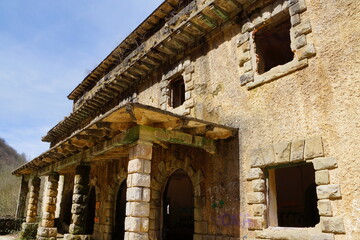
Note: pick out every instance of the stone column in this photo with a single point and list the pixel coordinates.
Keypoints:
(29, 227)
(24, 189)
(47, 229)
(138, 192)
(79, 204)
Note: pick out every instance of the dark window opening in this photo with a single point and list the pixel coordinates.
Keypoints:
(296, 198)
(91, 212)
(120, 209)
(273, 44)
(178, 208)
(177, 91)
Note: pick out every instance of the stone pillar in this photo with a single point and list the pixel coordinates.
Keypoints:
(24, 189)
(47, 229)
(138, 192)
(79, 204)
(29, 228)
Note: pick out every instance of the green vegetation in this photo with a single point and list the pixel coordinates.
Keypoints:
(9, 184)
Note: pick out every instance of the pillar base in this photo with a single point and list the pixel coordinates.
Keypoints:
(76, 237)
(28, 230)
(44, 233)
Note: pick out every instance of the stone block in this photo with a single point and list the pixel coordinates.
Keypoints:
(197, 178)
(259, 209)
(79, 189)
(53, 177)
(256, 197)
(328, 191)
(254, 173)
(198, 237)
(189, 86)
(247, 27)
(324, 207)
(299, 7)
(46, 232)
(244, 57)
(322, 236)
(140, 180)
(295, 20)
(256, 158)
(132, 224)
(243, 38)
(140, 209)
(302, 29)
(255, 223)
(282, 152)
(322, 177)
(137, 236)
(78, 198)
(187, 95)
(246, 78)
(144, 225)
(33, 201)
(277, 7)
(142, 151)
(258, 185)
(198, 214)
(297, 150)
(332, 225)
(76, 208)
(48, 215)
(52, 193)
(306, 52)
(134, 194)
(313, 147)
(136, 166)
(47, 223)
(50, 208)
(247, 67)
(189, 70)
(28, 231)
(325, 163)
(146, 195)
(269, 155)
(300, 41)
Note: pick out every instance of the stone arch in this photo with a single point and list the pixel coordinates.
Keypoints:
(158, 183)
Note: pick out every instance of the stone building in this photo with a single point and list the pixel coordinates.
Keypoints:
(212, 120)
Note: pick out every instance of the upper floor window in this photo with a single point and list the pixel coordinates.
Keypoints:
(177, 91)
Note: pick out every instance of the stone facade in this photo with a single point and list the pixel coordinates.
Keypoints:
(236, 125)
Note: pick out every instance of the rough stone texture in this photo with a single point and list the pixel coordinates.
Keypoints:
(332, 224)
(313, 148)
(325, 163)
(282, 152)
(256, 197)
(324, 207)
(297, 150)
(328, 191)
(255, 173)
(322, 177)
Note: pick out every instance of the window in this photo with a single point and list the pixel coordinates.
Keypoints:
(273, 43)
(292, 196)
(177, 92)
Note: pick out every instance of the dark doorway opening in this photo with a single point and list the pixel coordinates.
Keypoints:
(65, 219)
(177, 91)
(120, 209)
(296, 196)
(91, 212)
(178, 208)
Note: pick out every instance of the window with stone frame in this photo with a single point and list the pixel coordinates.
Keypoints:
(272, 43)
(177, 91)
(292, 199)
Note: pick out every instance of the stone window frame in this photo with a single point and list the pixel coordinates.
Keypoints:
(298, 151)
(185, 69)
(300, 28)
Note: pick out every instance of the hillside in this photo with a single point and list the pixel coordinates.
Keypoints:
(9, 184)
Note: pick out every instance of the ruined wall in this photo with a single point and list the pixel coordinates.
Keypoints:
(320, 99)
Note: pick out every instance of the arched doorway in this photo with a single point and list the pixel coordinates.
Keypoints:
(178, 208)
(120, 209)
(91, 212)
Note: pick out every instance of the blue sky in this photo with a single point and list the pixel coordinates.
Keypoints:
(47, 47)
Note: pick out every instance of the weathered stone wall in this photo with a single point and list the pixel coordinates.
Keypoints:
(320, 99)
